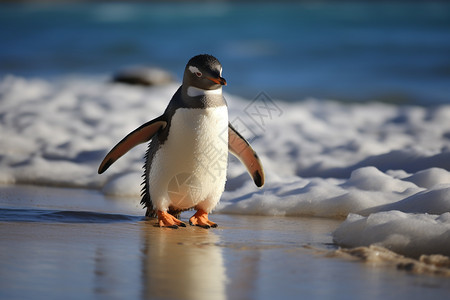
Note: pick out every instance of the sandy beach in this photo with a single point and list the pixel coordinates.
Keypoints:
(78, 244)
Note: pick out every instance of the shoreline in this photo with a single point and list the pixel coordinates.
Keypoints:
(120, 257)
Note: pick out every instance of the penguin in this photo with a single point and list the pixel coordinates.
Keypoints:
(187, 156)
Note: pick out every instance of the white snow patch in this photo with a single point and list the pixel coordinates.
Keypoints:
(408, 234)
(321, 158)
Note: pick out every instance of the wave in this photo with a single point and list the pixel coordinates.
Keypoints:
(62, 216)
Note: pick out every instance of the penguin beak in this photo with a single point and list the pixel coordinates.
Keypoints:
(219, 80)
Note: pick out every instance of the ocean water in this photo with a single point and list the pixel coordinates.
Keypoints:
(396, 52)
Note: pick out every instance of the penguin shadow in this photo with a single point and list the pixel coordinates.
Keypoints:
(181, 264)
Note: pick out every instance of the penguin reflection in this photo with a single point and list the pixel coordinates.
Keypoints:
(181, 265)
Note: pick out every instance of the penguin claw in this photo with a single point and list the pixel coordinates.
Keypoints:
(168, 221)
(206, 226)
(200, 219)
(170, 226)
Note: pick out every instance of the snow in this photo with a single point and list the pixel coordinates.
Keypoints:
(408, 234)
(382, 167)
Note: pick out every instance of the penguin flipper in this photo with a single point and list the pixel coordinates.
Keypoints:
(140, 135)
(240, 148)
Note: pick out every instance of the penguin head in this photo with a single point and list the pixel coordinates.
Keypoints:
(204, 72)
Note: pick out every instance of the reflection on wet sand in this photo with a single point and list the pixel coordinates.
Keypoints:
(181, 264)
(49, 252)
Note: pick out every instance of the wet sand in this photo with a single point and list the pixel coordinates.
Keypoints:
(77, 244)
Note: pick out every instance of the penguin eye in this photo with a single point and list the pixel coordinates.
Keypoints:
(199, 74)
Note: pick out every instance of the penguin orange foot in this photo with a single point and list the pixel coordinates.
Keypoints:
(201, 219)
(167, 220)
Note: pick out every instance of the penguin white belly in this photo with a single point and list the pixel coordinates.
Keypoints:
(189, 169)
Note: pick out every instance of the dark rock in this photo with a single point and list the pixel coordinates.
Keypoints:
(147, 76)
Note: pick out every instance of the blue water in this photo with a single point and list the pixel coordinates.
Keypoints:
(62, 216)
(360, 51)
